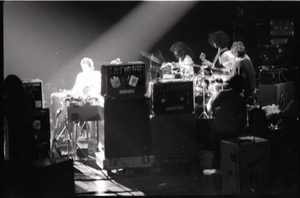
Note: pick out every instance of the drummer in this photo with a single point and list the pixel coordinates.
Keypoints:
(184, 56)
(224, 58)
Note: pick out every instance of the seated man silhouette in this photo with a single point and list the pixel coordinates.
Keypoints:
(228, 108)
(18, 119)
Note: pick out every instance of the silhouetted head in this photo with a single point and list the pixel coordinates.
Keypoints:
(180, 50)
(218, 39)
(13, 85)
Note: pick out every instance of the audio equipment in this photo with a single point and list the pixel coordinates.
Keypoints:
(279, 94)
(172, 97)
(123, 80)
(35, 87)
(272, 74)
(174, 137)
(41, 132)
(126, 131)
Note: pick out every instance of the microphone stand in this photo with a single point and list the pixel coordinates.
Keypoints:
(204, 115)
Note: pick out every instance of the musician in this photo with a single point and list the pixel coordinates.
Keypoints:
(184, 56)
(223, 59)
(229, 110)
(88, 82)
(244, 67)
(87, 88)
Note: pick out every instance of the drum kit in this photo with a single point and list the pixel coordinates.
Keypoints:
(210, 81)
(207, 82)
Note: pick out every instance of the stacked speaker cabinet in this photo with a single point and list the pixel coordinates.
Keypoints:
(124, 137)
(35, 87)
(174, 137)
(173, 97)
(41, 132)
(126, 128)
(123, 80)
(173, 121)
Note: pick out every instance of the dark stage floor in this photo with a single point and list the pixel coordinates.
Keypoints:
(83, 177)
(88, 179)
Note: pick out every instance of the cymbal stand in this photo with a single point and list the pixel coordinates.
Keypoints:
(204, 115)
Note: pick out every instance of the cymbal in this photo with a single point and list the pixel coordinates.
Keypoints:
(151, 57)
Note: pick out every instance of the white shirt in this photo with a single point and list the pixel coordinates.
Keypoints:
(227, 59)
(187, 65)
(88, 84)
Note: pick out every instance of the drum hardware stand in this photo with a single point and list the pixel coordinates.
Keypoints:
(204, 115)
(70, 142)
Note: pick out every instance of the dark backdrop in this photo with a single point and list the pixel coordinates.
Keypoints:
(46, 40)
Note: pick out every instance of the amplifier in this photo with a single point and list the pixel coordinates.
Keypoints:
(279, 94)
(35, 87)
(126, 131)
(272, 74)
(41, 131)
(172, 97)
(123, 80)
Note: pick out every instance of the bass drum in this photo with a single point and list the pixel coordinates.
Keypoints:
(215, 88)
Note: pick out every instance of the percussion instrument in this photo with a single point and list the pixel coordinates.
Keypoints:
(151, 57)
(208, 83)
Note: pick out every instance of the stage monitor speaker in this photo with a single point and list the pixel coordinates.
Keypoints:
(173, 97)
(126, 80)
(35, 87)
(126, 130)
(279, 94)
(41, 132)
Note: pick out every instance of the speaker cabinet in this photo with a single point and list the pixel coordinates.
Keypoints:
(35, 87)
(126, 131)
(172, 98)
(279, 94)
(127, 80)
(41, 132)
(174, 137)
